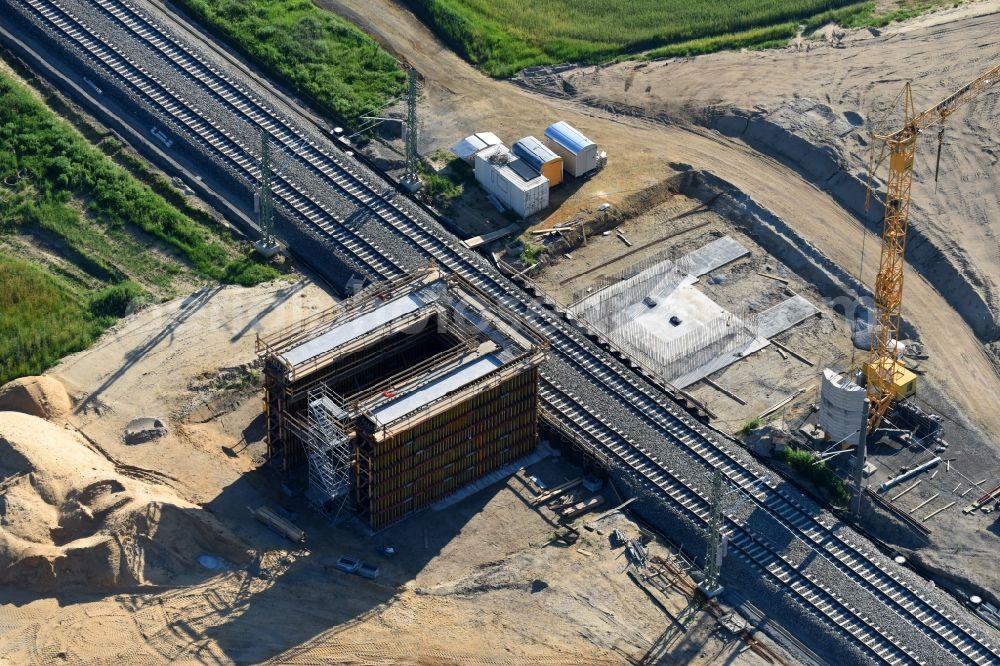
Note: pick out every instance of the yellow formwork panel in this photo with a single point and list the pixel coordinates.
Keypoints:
(436, 457)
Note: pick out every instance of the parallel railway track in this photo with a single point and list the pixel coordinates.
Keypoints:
(567, 343)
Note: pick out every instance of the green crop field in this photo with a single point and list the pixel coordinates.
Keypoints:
(504, 36)
(81, 239)
(320, 55)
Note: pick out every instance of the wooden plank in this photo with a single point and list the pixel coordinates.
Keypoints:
(476, 241)
(934, 513)
(894, 510)
(557, 491)
(582, 507)
(724, 391)
(896, 497)
(773, 277)
(279, 524)
(792, 352)
(781, 404)
(925, 502)
(611, 511)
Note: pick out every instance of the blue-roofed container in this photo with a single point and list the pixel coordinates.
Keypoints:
(580, 154)
(540, 158)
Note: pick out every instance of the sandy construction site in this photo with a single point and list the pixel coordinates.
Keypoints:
(147, 552)
(645, 132)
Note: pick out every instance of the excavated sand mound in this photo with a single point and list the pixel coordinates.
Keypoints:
(68, 517)
(39, 396)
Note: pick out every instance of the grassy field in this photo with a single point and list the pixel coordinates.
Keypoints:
(504, 36)
(42, 318)
(81, 239)
(320, 55)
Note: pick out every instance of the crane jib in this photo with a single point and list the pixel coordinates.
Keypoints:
(886, 375)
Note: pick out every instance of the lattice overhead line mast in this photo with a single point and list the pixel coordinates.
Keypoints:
(886, 376)
(267, 245)
(411, 176)
(716, 550)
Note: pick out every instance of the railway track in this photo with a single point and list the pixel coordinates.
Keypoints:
(599, 368)
(565, 409)
(314, 215)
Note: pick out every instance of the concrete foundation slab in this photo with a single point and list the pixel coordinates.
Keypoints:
(784, 315)
(718, 363)
(714, 255)
(689, 308)
(772, 321)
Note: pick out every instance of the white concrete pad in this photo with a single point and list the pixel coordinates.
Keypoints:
(718, 253)
(691, 307)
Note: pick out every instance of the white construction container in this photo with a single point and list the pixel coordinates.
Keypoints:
(467, 148)
(580, 154)
(515, 184)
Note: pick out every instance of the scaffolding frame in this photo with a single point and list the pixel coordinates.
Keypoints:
(329, 453)
(440, 445)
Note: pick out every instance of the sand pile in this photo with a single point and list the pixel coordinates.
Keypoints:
(68, 517)
(39, 396)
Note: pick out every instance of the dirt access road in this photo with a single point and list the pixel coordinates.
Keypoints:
(460, 100)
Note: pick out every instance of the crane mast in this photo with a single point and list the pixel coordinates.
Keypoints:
(886, 375)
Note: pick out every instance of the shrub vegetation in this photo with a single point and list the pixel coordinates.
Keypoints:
(807, 465)
(42, 318)
(50, 173)
(108, 241)
(321, 55)
(504, 36)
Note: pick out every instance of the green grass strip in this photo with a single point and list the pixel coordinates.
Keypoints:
(320, 55)
(49, 164)
(502, 37)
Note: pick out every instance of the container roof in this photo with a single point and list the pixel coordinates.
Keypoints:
(567, 136)
(473, 143)
(523, 169)
(489, 138)
(534, 152)
(515, 171)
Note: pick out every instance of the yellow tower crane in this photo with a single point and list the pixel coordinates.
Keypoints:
(887, 377)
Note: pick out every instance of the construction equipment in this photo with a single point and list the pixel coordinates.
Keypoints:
(887, 377)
